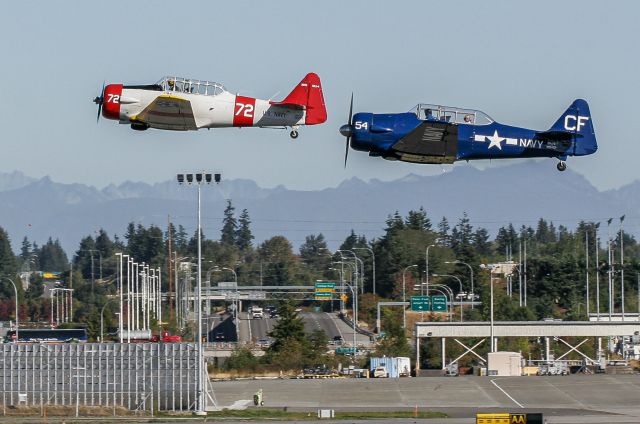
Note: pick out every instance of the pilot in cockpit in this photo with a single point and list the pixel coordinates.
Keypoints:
(429, 115)
(171, 83)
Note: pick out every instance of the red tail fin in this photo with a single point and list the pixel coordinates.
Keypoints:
(308, 94)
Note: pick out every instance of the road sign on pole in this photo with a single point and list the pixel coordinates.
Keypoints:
(439, 303)
(420, 303)
(324, 290)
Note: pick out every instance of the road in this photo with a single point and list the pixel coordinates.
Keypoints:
(256, 329)
(332, 325)
(571, 399)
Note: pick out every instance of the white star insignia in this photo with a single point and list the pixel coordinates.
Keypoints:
(495, 140)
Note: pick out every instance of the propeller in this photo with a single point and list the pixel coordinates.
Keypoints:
(347, 131)
(99, 100)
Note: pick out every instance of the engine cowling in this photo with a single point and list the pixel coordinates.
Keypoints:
(111, 101)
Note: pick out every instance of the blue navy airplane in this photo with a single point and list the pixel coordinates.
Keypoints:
(435, 134)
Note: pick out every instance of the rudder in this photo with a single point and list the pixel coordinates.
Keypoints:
(576, 120)
(308, 94)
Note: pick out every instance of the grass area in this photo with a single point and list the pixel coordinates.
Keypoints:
(266, 413)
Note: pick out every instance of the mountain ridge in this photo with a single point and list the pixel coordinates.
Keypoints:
(518, 193)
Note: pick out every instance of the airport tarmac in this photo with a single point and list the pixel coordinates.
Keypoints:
(562, 399)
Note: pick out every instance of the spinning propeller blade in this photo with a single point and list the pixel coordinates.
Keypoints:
(99, 100)
(346, 151)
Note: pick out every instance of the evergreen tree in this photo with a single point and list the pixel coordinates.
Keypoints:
(229, 226)
(8, 265)
(289, 328)
(443, 232)
(86, 259)
(353, 240)
(314, 252)
(243, 235)
(104, 245)
(462, 240)
(481, 242)
(418, 220)
(25, 249)
(52, 257)
(279, 262)
(180, 244)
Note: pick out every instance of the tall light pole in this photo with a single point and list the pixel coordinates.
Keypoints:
(361, 271)
(404, 295)
(597, 243)
(491, 268)
(622, 266)
(373, 262)
(426, 266)
(15, 290)
(471, 271)
(355, 302)
(200, 178)
(460, 284)
(354, 291)
(102, 321)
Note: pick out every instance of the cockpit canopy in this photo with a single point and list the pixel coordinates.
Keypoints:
(185, 85)
(455, 115)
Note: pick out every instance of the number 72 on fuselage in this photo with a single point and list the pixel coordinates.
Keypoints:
(182, 104)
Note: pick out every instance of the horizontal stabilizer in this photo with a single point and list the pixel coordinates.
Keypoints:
(557, 135)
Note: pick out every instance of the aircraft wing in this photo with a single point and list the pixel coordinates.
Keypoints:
(171, 111)
(430, 138)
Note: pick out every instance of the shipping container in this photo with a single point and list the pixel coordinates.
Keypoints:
(394, 366)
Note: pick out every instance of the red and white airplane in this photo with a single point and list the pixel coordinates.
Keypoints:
(182, 104)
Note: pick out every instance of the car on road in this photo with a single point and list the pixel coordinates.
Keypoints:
(264, 342)
(219, 336)
(337, 340)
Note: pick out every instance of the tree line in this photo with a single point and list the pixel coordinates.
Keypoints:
(556, 263)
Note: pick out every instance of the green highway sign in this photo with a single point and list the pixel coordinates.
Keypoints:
(325, 285)
(323, 296)
(420, 303)
(439, 303)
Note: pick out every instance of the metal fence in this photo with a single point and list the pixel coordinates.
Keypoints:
(149, 376)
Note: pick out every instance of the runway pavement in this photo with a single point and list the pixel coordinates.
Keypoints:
(579, 399)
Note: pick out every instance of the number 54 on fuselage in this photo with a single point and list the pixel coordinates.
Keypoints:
(182, 104)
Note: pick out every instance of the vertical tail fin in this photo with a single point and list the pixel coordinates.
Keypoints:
(308, 94)
(576, 120)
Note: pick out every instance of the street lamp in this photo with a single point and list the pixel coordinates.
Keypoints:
(491, 268)
(201, 178)
(355, 267)
(426, 262)
(354, 292)
(15, 290)
(471, 271)
(373, 262)
(102, 321)
(459, 283)
(404, 296)
(361, 270)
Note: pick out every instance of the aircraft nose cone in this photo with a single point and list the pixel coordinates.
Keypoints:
(346, 130)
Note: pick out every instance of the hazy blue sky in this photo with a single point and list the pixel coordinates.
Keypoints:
(522, 63)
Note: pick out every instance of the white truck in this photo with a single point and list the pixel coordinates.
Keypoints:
(256, 312)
